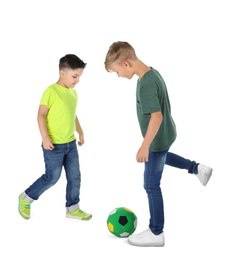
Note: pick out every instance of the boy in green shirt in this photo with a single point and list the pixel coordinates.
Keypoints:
(57, 123)
(158, 131)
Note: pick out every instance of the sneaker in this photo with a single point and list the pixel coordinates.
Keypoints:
(204, 173)
(79, 214)
(147, 238)
(24, 208)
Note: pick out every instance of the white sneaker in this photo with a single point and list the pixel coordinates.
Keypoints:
(204, 173)
(147, 238)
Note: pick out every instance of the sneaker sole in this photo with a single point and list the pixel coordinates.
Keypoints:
(209, 177)
(25, 217)
(147, 245)
(84, 218)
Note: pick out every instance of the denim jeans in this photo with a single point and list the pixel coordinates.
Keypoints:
(63, 155)
(152, 178)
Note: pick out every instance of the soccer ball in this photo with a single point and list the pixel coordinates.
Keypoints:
(122, 222)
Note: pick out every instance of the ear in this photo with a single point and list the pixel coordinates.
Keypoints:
(62, 73)
(126, 63)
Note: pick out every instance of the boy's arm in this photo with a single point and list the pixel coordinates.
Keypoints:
(153, 127)
(41, 118)
(80, 132)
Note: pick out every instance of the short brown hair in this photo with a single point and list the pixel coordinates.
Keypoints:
(71, 61)
(118, 52)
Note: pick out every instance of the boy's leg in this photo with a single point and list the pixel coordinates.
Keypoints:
(53, 165)
(180, 162)
(152, 177)
(73, 176)
(201, 171)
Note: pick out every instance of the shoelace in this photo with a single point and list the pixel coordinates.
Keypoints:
(144, 233)
(27, 206)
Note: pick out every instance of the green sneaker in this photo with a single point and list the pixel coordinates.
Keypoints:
(24, 208)
(79, 214)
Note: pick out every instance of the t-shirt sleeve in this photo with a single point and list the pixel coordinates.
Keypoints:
(47, 98)
(149, 98)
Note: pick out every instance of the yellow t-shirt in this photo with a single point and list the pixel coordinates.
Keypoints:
(61, 116)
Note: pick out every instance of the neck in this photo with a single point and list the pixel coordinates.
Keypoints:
(141, 69)
(61, 83)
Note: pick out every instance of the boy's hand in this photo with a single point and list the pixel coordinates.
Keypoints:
(47, 143)
(142, 154)
(81, 140)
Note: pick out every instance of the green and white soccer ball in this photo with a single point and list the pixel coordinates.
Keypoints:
(122, 222)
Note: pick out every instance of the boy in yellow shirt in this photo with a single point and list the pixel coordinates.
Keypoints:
(57, 123)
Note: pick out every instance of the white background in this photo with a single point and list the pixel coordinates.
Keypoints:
(187, 41)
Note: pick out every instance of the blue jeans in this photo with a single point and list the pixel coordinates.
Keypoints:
(63, 155)
(152, 178)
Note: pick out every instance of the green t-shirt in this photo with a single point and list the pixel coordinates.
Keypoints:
(152, 96)
(61, 115)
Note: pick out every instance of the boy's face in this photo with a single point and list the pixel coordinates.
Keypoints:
(123, 70)
(70, 77)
